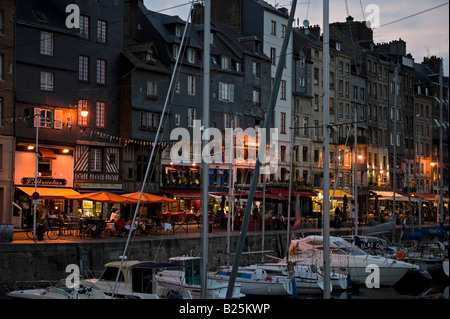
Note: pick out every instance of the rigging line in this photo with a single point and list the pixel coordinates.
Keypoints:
(148, 167)
(414, 14)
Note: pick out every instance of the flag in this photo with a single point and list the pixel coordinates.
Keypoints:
(297, 221)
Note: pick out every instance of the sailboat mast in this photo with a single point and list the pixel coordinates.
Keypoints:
(326, 151)
(254, 182)
(205, 165)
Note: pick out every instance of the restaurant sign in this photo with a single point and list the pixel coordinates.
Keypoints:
(46, 181)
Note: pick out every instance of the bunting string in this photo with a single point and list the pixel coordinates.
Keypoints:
(88, 131)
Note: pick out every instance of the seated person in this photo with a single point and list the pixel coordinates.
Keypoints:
(120, 226)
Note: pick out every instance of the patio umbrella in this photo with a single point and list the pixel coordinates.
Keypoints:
(103, 196)
(148, 198)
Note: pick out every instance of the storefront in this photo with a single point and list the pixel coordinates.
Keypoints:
(54, 181)
(88, 208)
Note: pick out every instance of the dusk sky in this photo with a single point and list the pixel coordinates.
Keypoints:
(423, 25)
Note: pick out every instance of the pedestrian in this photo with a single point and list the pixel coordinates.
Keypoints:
(337, 217)
(353, 217)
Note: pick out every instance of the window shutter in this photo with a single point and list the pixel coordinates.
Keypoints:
(58, 120)
(220, 90)
(231, 95)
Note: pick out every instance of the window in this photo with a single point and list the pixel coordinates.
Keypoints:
(83, 68)
(177, 119)
(305, 126)
(191, 55)
(226, 92)
(256, 97)
(191, 85)
(84, 27)
(1, 112)
(178, 30)
(46, 81)
(1, 67)
(283, 89)
(46, 43)
(191, 116)
(45, 117)
(101, 31)
(101, 114)
(302, 61)
(316, 75)
(225, 62)
(152, 89)
(316, 129)
(1, 22)
(175, 49)
(273, 54)
(83, 105)
(178, 87)
(273, 27)
(95, 162)
(256, 69)
(302, 81)
(150, 120)
(101, 71)
(283, 30)
(283, 123)
(283, 153)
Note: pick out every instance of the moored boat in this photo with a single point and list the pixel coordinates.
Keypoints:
(346, 257)
(59, 291)
(136, 280)
(256, 280)
(186, 279)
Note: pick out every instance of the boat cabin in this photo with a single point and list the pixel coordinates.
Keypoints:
(191, 268)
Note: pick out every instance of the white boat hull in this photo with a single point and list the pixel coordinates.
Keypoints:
(269, 287)
(215, 290)
(51, 293)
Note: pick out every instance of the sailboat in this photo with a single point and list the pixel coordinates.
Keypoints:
(258, 280)
(346, 256)
(187, 278)
(59, 291)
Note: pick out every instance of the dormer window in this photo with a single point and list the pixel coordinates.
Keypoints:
(175, 49)
(149, 58)
(178, 30)
(191, 55)
(225, 63)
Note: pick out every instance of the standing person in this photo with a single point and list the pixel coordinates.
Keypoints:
(352, 217)
(114, 214)
(337, 217)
